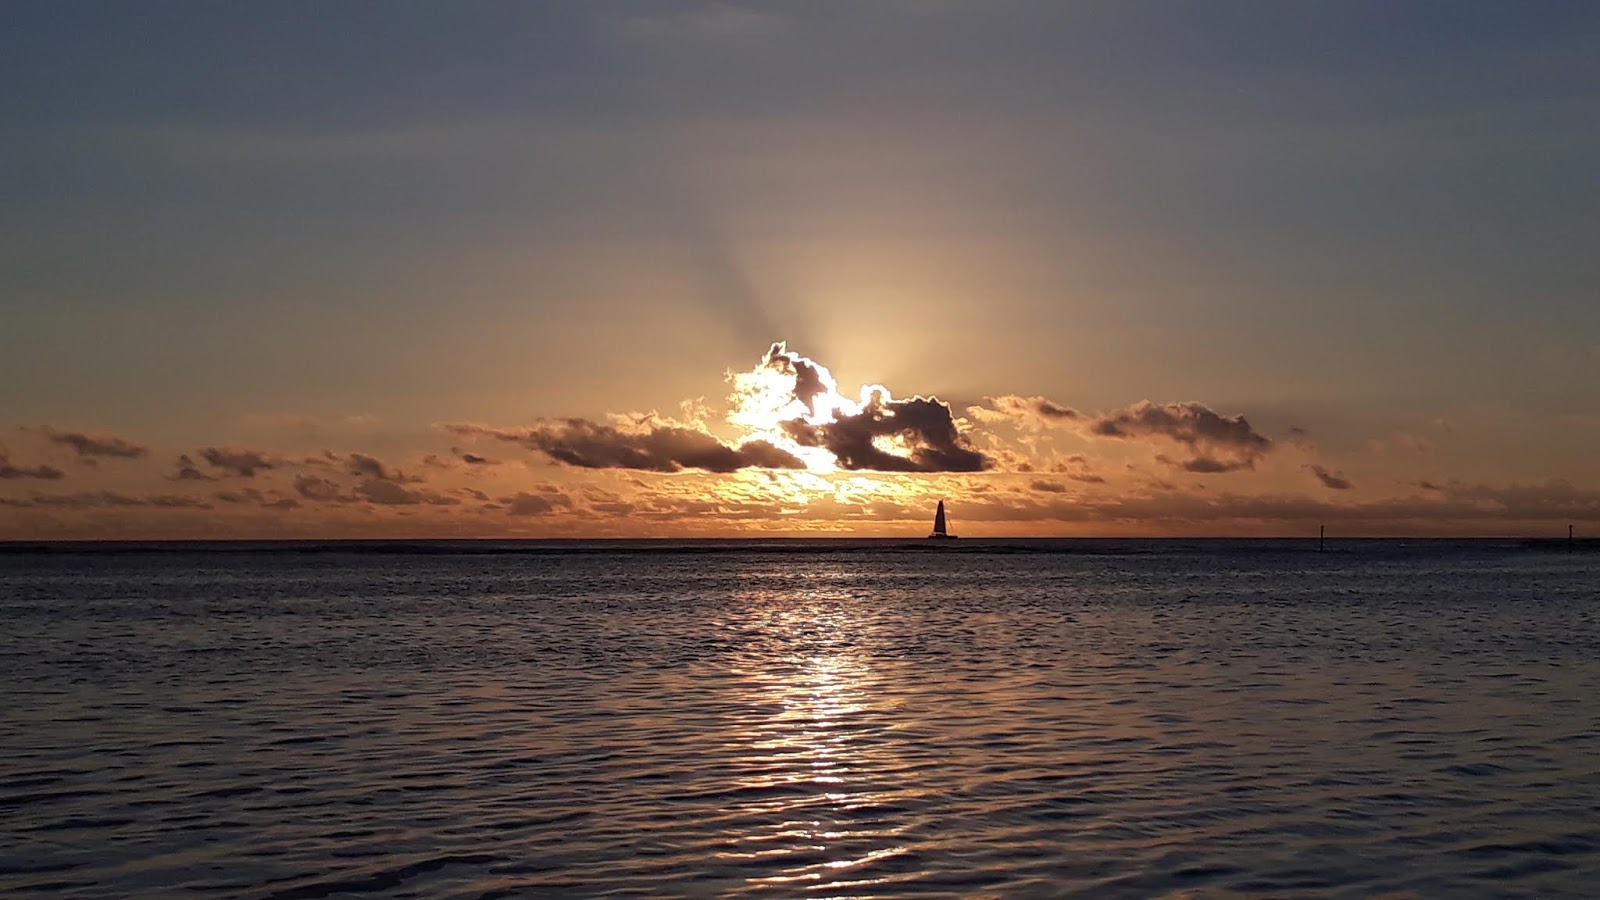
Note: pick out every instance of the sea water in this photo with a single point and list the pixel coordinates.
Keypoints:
(809, 719)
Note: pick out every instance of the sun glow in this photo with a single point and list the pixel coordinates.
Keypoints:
(789, 388)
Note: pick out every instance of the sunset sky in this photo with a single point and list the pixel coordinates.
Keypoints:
(518, 269)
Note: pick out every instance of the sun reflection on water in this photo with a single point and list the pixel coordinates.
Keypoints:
(827, 751)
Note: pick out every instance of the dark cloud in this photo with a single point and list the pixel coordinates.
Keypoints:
(44, 473)
(89, 445)
(369, 467)
(1204, 465)
(528, 505)
(657, 448)
(188, 471)
(924, 427)
(1218, 443)
(389, 493)
(473, 459)
(1331, 480)
(321, 490)
(237, 461)
(379, 491)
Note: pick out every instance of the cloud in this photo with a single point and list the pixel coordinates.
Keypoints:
(11, 470)
(1076, 468)
(1048, 487)
(1218, 443)
(88, 445)
(1331, 480)
(375, 490)
(369, 467)
(1203, 465)
(188, 471)
(656, 448)
(473, 459)
(320, 489)
(915, 435)
(389, 493)
(1030, 411)
(237, 461)
(522, 504)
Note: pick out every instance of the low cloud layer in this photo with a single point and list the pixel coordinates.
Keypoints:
(93, 446)
(1215, 443)
(1333, 481)
(235, 461)
(10, 470)
(656, 448)
(789, 453)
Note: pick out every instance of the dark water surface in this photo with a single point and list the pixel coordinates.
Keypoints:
(818, 719)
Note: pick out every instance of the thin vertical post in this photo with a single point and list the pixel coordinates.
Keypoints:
(1322, 538)
(1569, 538)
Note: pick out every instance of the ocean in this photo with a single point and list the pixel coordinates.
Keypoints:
(800, 719)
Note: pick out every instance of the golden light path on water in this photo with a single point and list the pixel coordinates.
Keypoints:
(829, 750)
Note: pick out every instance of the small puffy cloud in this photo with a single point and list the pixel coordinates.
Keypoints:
(473, 459)
(188, 471)
(1028, 411)
(1046, 486)
(321, 490)
(369, 467)
(8, 469)
(92, 445)
(542, 501)
(1203, 465)
(655, 448)
(390, 493)
(237, 461)
(1076, 468)
(1216, 443)
(1334, 481)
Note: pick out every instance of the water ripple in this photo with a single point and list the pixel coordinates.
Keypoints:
(846, 725)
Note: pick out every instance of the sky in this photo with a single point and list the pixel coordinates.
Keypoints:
(409, 269)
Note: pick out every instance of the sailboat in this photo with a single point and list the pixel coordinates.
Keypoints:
(939, 532)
